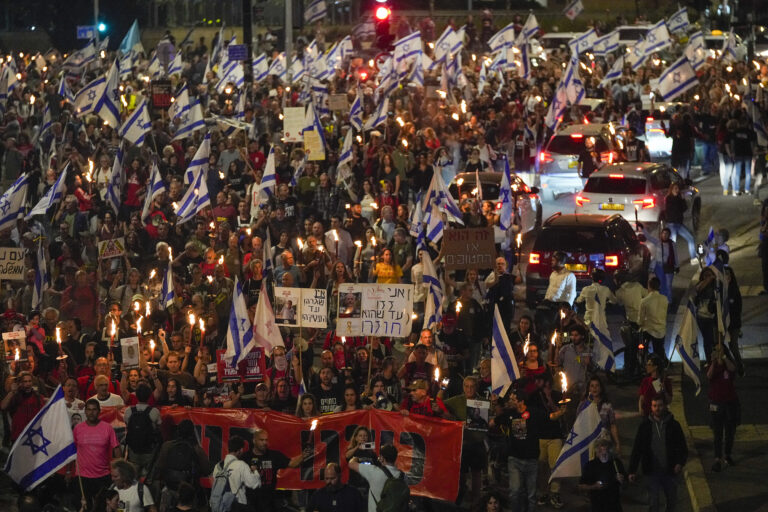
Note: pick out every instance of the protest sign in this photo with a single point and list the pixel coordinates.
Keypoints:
(15, 342)
(287, 301)
(375, 310)
(11, 264)
(469, 248)
(130, 351)
(113, 248)
(314, 308)
(338, 102)
(293, 124)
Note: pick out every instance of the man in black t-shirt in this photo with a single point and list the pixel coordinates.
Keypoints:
(589, 159)
(267, 462)
(634, 149)
(329, 395)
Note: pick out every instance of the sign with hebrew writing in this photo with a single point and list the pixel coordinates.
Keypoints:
(469, 248)
(314, 308)
(11, 264)
(301, 307)
(375, 310)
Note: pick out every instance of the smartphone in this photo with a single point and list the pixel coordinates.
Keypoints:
(368, 446)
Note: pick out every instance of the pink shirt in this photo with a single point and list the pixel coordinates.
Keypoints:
(94, 448)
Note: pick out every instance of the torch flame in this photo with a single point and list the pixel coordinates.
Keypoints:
(563, 382)
(113, 331)
(335, 236)
(202, 324)
(300, 243)
(58, 336)
(153, 274)
(138, 325)
(192, 319)
(519, 240)
(554, 338)
(136, 305)
(149, 308)
(221, 259)
(373, 241)
(152, 345)
(437, 374)
(527, 344)
(314, 425)
(458, 306)
(210, 278)
(17, 356)
(358, 243)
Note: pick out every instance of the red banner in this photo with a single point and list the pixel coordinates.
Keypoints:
(250, 369)
(429, 450)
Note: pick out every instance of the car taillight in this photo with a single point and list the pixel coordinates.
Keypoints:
(580, 200)
(545, 157)
(577, 135)
(612, 260)
(534, 258)
(646, 202)
(648, 119)
(616, 176)
(606, 157)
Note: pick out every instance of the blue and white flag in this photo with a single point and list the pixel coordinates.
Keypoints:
(379, 116)
(88, 98)
(573, 9)
(64, 90)
(126, 66)
(45, 445)
(180, 103)
(199, 162)
(500, 39)
(574, 87)
(315, 11)
(408, 48)
(732, 51)
(434, 220)
(433, 309)
(168, 292)
(77, 61)
(266, 250)
(278, 66)
(530, 28)
(260, 68)
(695, 51)
(239, 329)
(637, 56)
(108, 107)
(13, 202)
(42, 277)
(603, 345)
(615, 72)
(582, 42)
(657, 38)
(438, 194)
(138, 125)
(115, 185)
(51, 197)
(155, 69)
(557, 107)
(504, 369)
(346, 148)
(757, 121)
(506, 198)
(686, 341)
(195, 199)
(524, 70)
(447, 44)
(679, 21)
(482, 79)
(268, 180)
(231, 73)
(416, 217)
(575, 452)
(312, 122)
(606, 44)
(176, 66)
(156, 187)
(132, 40)
(677, 79)
(191, 121)
(297, 71)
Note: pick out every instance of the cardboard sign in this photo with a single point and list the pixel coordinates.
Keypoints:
(469, 248)
(293, 124)
(375, 310)
(113, 248)
(314, 308)
(338, 102)
(11, 264)
(13, 341)
(313, 145)
(130, 350)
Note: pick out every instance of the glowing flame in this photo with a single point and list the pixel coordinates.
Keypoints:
(458, 307)
(152, 345)
(136, 305)
(17, 356)
(138, 325)
(400, 121)
(210, 278)
(519, 240)
(313, 426)
(192, 319)
(405, 143)
(335, 236)
(374, 205)
(562, 314)
(563, 382)
(113, 330)
(343, 340)
(148, 308)
(300, 243)
(527, 344)
(414, 316)
(554, 338)
(358, 243)
(437, 374)
(459, 181)
(58, 336)
(373, 241)
(201, 322)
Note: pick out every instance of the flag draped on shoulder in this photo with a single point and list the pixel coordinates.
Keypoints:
(45, 445)
(504, 369)
(575, 452)
(240, 339)
(686, 341)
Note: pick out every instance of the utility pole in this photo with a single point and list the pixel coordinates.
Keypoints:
(96, 21)
(248, 36)
(288, 46)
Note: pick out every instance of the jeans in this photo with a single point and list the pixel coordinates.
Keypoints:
(726, 169)
(739, 163)
(522, 483)
(658, 483)
(724, 425)
(710, 163)
(680, 229)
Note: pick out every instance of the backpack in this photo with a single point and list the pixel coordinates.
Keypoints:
(395, 495)
(222, 496)
(181, 465)
(140, 431)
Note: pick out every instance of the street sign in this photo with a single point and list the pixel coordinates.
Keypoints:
(237, 52)
(86, 31)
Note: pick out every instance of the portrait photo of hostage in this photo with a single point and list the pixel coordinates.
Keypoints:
(286, 304)
(350, 304)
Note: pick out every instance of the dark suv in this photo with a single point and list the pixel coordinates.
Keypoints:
(590, 241)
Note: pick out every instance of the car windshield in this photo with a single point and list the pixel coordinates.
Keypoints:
(632, 34)
(490, 190)
(568, 145)
(554, 42)
(572, 239)
(619, 186)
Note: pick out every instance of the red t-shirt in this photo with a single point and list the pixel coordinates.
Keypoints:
(23, 409)
(648, 392)
(423, 408)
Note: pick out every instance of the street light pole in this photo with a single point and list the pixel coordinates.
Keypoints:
(248, 36)
(288, 46)
(96, 21)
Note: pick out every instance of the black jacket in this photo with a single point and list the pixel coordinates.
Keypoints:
(674, 209)
(677, 449)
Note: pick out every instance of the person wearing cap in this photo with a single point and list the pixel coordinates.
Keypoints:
(602, 477)
(419, 402)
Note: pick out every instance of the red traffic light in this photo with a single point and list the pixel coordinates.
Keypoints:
(363, 74)
(382, 13)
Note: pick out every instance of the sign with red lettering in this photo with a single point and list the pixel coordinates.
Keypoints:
(250, 369)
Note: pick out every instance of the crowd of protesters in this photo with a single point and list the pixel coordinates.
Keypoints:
(92, 303)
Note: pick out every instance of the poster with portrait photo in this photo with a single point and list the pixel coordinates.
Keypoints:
(15, 341)
(287, 302)
(348, 321)
(130, 351)
(477, 415)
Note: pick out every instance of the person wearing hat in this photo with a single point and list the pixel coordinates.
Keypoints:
(419, 402)
(602, 477)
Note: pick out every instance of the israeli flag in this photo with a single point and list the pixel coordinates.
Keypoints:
(77, 61)
(678, 22)
(191, 121)
(180, 103)
(575, 451)
(500, 61)
(686, 341)
(88, 98)
(731, 50)
(346, 148)
(277, 67)
(637, 56)
(603, 345)
(13, 202)
(415, 218)
(447, 44)
(434, 221)
(379, 116)
(7, 83)
(199, 162)
(504, 369)
(433, 309)
(233, 73)
(155, 70)
(524, 71)
(108, 107)
(557, 107)
(695, 51)
(677, 79)
(297, 71)
(64, 90)
(408, 48)
(315, 11)
(176, 65)
(482, 79)
(574, 87)
(42, 277)
(530, 28)
(657, 38)
(268, 179)
(45, 445)
(500, 39)
(573, 9)
(156, 187)
(260, 68)
(582, 42)
(167, 292)
(51, 197)
(505, 197)
(438, 194)
(312, 122)
(115, 185)
(239, 329)
(126, 66)
(195, 199)
(138, 125)
(606, 44)
(615, 72)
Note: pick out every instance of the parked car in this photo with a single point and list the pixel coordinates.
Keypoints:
(590, 241)
(636, 191)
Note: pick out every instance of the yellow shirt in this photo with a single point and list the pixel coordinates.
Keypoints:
(388, 274)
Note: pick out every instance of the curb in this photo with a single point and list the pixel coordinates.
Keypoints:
(693, 472)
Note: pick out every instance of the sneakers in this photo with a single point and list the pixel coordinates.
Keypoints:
(717, 466)
(694, 261)
(555, 501)
(543, 500)
(725, 192)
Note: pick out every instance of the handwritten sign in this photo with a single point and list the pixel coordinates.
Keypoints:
(313, 145)
(375, 310)
(469, 248)
(314, 308)
(11, 264)
(338, 102)
(293, 124)
(113, 248)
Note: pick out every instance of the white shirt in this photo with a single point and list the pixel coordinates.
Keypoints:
(435, 357)
(129, 498)
(346, 245)
(595, 297)
(240, 477)
(420, 288)
(113, 400)
(653, 314)
(376, 479)
(629, 295)
(562, 286)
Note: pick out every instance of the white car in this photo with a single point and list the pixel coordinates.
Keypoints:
(636, 191)
(527, 197)
(556, 41)
(629, 34)
(658, 144)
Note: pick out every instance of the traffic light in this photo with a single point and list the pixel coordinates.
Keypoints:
(382, 14)
(101, 27)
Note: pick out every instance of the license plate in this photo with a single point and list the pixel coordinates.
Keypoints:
(576, 267)
(612, 206)
(573, 165)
